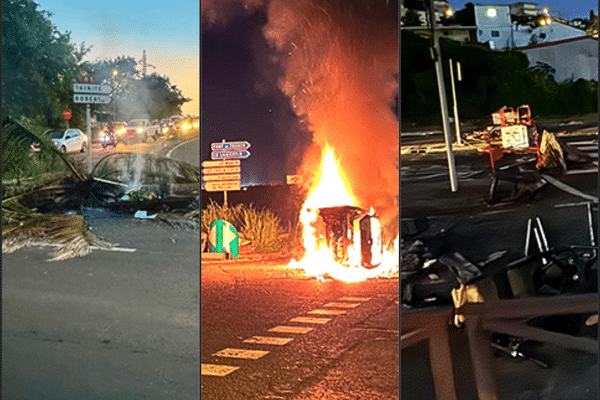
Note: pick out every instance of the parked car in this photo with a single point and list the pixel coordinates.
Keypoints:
(68, 140)
(141, 128)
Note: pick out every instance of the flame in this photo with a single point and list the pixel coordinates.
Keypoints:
(331, 190)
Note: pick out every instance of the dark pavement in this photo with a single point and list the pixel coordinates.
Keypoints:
(476, 228)
(352, 356)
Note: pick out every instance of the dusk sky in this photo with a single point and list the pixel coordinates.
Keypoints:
(568, 9)
(169, 31)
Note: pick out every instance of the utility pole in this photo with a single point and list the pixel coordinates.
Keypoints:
(443, 100)
(144, 64)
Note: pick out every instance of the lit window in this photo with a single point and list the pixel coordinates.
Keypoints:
(491, 12)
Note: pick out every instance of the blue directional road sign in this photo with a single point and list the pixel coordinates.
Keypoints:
(229, 154)
(229, 146)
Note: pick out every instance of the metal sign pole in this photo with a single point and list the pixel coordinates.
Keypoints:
(88, 124)
(456, 124)
(443, 99)
(225, 198)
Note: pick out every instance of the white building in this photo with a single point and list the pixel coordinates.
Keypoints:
(575, 58)
(524, 9)
(554, 32)
(493, 25)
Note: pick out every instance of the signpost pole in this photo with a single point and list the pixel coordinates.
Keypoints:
(443, 99)
(456, 124)
(225, 198)
(88, 124)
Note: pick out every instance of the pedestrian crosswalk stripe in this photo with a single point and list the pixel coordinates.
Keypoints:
(217, 370)
(277, 341)
(328, 312)
(311, 320)
(342, 305)
(355, 299)
(290, 329)
(241, 353)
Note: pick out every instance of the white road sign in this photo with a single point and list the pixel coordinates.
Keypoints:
(91, 88)
(222, 170)
(227, 177)
(91, 98)
(219, 186)
(224, 163)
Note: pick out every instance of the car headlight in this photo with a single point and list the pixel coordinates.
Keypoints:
(140, 130)
(165, 129)
(185, 126)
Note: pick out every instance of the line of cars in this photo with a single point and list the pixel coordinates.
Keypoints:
(70, 140)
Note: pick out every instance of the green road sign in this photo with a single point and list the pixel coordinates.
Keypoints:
(223, 238)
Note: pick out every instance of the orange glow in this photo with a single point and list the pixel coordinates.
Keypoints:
(330, 190)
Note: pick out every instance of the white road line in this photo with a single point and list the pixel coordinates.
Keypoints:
(290, 329)
(582, 171)
(276, 341)
(327, 312)
(179, 145)
(241, 353)
(583, 203)
(311, 320)
(217, 370)
(355, 299)
(123, 249)
(342, 305)
(586, 148)
(582, 143)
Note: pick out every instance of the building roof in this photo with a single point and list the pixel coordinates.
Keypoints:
(575, 39)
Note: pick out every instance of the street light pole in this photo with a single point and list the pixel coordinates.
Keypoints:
(443, 99)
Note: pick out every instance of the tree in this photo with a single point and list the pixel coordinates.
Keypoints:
(152, 97)
(464, 17)
(134, 96)
(39, 64)
(411, 18)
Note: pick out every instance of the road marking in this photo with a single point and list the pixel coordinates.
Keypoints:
(123, 249)
(327, 312)
(582, 171)
(583, 203)
(276, 341)
(178, 146)
(217, 370)
(241, 353)
(582, 143)
(355, 299)
(342, 305)
(311, 320)
(290, 329)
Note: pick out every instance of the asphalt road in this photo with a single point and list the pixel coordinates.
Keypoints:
(352, 356)
(113, 324)
(475, 229)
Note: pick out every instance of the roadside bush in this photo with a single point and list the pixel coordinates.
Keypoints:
(261, 227)
(18, 160)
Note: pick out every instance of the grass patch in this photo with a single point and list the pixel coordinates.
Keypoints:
(261, 227)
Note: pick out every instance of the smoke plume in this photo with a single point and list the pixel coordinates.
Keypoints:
(340, 62)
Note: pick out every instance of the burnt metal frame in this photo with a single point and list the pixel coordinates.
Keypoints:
(507, 316)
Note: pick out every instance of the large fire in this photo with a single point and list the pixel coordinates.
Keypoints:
(331, 189)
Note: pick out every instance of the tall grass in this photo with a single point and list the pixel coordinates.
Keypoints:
(261, 227)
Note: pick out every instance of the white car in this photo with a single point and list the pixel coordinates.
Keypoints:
(68, 140)
(142, 129)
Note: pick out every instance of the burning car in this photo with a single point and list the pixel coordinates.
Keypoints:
(352, 234)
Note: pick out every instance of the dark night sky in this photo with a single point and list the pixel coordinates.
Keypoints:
(241, 102)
